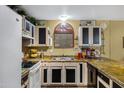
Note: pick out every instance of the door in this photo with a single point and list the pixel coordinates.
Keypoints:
(85, 36)
(32, 29)
(56, 75)
(10, 56)
(115, 85)
(92, 76)
(70, 75)
(101, 83)
(45, 75)
(42, 35)
(96, 36)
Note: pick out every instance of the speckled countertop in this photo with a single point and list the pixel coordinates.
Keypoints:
(50, 60)
(24, 72)
(112, 69)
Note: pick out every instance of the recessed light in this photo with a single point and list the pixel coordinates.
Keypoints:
(63, 17)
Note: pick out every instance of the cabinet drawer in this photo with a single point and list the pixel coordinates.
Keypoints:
(103, 77)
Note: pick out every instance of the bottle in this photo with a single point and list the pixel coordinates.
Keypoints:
(88, 52)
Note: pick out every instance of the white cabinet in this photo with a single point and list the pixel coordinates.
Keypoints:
(33, 34)
(89, 36)
(27, 29)
(50, 40)
(103, 81)
(10, 48)
(42, 36)
(59, 73)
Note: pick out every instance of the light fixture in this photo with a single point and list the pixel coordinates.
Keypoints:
(63, 23)
(63, 17)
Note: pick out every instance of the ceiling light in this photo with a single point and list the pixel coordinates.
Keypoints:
(63, 17)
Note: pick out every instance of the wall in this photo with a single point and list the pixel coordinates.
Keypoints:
(106, 32)
(116, 33)
(113, 34)
(69, 51)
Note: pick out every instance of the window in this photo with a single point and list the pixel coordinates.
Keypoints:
(63, 36)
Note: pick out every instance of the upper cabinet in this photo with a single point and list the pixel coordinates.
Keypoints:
(28, 29)
(89, 36)
(43, 37)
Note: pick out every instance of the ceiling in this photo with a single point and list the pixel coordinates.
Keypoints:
(76, 12)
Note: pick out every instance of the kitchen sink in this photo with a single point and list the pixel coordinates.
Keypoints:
(63, 58)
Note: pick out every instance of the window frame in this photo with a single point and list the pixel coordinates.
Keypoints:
(67, 32)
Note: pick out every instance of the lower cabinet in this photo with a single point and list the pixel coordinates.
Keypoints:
(92, 76)
(61, 74)
(104, 81)
(79, 74)
(45, 76)
(70, 75)
(115, 85)
(56, 75)
(101, 83)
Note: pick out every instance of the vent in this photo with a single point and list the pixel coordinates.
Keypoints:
(87, 23)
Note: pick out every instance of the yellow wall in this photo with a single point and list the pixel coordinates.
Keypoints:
(116, 33)
(106, 32)
(112, 38)
(69, 51)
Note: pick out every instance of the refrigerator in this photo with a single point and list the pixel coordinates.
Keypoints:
(10, 48)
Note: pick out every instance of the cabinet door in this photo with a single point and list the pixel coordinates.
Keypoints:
(32, 29)
(70, 75)
(56, 75)
(81, 73)
(27, 25)
(115, 85)
(96, 36)
(45, 76)
(10, 48)
(85, 36)
(42, 35)
(101, 85)
(92, 76)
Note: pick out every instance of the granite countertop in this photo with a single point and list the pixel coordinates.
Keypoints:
(51, 60)
(112, 69)
(24, 72)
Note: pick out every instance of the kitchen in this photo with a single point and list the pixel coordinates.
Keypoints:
(81, 49)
